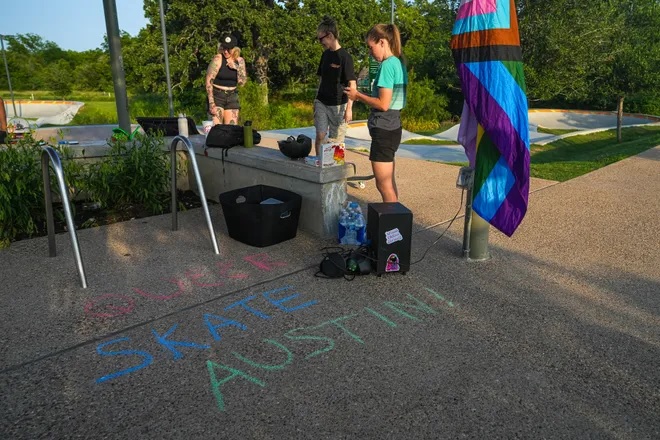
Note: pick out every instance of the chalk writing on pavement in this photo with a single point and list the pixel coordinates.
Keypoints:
(315, 340)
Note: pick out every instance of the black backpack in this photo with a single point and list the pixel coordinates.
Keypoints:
(226, 136)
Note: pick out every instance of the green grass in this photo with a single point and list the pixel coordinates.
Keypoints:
(555, 131)
(565, 159)
(574, 156)
(96, 112)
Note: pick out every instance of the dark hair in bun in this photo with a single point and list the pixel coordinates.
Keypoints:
(328, 26)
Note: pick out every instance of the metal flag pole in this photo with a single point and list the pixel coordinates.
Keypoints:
(167, 60)
(117, 64)
(479, 229)
(475, 233)
(4, 56)
(468, 223)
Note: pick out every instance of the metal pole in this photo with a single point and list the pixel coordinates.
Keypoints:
(479, 238)
(50, 153)
(117, 64)
(167, 59)
(200, 187)
(475, 229)
(4, 56)
(468, 223)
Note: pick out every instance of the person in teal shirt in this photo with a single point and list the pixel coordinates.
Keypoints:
(388, 98)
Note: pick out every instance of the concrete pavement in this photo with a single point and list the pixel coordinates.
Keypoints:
(557, 336)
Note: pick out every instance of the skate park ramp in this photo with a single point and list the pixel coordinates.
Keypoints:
(39, 113)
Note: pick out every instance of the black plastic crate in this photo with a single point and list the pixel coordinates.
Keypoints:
(260, 225)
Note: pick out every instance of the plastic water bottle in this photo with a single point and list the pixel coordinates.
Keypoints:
(343, 223)
(183, 125)
(361, 230)
(351, 236)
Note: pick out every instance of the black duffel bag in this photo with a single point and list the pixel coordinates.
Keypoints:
(227, 136)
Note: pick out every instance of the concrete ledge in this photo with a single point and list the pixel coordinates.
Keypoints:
(323, 190)
(272, 161)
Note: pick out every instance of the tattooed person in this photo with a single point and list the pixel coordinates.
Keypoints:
(225, 72)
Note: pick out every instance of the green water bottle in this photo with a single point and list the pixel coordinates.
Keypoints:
(248, 140)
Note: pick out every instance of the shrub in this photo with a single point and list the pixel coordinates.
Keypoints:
(93, 113)
(424, 107)
(646, 103)
(133, 172)
(148, 104)
(21, 191)
(252, 106)
(22, 211)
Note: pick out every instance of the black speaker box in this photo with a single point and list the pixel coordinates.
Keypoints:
(389, 230)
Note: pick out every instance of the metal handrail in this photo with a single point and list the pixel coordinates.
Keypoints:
(49, 153)
(200, 187)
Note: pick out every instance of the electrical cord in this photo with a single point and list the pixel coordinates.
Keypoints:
(446, 229)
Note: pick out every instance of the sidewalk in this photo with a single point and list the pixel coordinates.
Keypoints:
(557, 336)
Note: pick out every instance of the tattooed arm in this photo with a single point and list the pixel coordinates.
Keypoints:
(211, 73)
(242, 74)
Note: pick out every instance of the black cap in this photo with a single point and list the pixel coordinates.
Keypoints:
(228, 42)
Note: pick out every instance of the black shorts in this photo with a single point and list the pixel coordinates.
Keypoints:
(384, 144)
(226, 99)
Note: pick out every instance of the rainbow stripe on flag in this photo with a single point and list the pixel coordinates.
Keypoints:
(494, 127)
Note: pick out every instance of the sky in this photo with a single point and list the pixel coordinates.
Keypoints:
(72, 24)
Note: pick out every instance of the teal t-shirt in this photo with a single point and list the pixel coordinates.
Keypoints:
(392, 75)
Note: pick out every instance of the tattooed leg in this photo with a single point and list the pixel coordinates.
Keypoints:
(231, 116)
(217, 118)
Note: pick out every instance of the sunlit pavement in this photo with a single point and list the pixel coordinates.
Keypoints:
(556, 336)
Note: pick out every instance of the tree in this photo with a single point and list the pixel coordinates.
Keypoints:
(565, 45)
(277, 39)
(426, 30)
(590, 54)
(25, 65)
(60, 78)
(635, 64)
(92, 71)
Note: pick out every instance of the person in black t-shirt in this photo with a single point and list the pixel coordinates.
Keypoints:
(332, 109)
